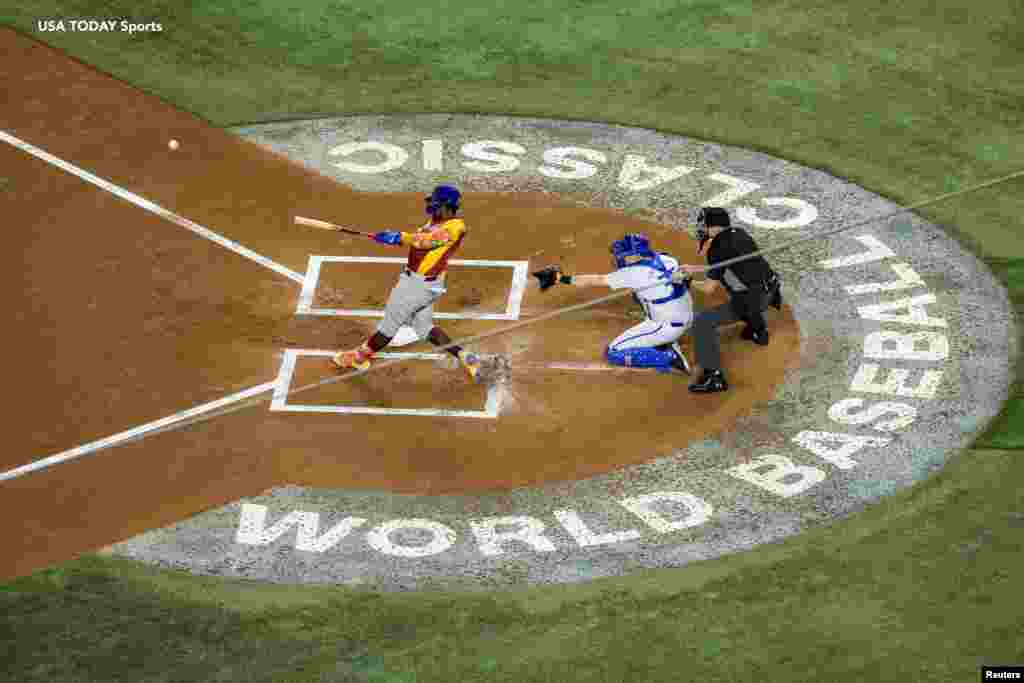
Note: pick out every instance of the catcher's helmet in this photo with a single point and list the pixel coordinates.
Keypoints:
(443, 196)
(631, 245)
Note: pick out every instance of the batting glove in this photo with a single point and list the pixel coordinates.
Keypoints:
(388, 237)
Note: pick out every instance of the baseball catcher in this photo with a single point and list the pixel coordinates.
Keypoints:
(668, 305)
(421, 283)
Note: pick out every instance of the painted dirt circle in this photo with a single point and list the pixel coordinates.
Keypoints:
(899, 338)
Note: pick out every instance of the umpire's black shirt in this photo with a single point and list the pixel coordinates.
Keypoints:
(738, 277)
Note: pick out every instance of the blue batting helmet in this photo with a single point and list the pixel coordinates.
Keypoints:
(631, 245)
(443, 195)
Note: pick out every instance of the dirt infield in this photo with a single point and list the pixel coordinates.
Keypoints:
(122, 318)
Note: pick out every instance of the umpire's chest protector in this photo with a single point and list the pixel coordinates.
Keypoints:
(742, 280)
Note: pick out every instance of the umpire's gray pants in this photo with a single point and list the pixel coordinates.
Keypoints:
(706, 346)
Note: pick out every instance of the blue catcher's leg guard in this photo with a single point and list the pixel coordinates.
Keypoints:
(645, 357)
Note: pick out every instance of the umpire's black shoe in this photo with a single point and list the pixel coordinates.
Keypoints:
(710, 382)
(757, 336)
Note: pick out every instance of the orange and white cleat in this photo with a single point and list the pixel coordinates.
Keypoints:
(354, 359)
(471, 362)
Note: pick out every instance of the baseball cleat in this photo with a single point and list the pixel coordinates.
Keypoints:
(710, 382)
(350, 360)
(679, 361)
(471, 362)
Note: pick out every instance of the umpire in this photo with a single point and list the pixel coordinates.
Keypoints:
(752, 286)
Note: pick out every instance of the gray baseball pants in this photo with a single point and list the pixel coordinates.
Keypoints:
(411, 302)
(706, 344)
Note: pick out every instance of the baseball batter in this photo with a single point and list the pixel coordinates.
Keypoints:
(654, 343)
(421, 283)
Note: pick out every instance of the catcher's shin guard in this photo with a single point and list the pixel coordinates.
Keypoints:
(646, 357)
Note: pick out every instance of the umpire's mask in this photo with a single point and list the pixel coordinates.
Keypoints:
(709, 217)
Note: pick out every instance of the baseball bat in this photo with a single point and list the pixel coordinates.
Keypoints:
(324, 225)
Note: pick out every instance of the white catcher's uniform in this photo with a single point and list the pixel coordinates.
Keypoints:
(669, 308)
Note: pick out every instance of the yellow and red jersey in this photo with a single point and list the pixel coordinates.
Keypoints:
(431, 246)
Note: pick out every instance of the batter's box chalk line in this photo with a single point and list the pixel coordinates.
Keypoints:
(280, 403)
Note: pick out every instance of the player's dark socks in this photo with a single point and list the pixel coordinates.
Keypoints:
(378, 341)
(437, 337)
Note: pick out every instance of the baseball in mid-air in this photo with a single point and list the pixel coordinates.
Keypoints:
(173, 144)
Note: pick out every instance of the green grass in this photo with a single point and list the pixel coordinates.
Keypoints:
(907, 99)
(1007, 431)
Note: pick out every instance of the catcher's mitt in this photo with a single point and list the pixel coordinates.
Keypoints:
(547, 277)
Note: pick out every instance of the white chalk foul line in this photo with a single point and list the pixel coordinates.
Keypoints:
(134, 432)
(152, 207)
